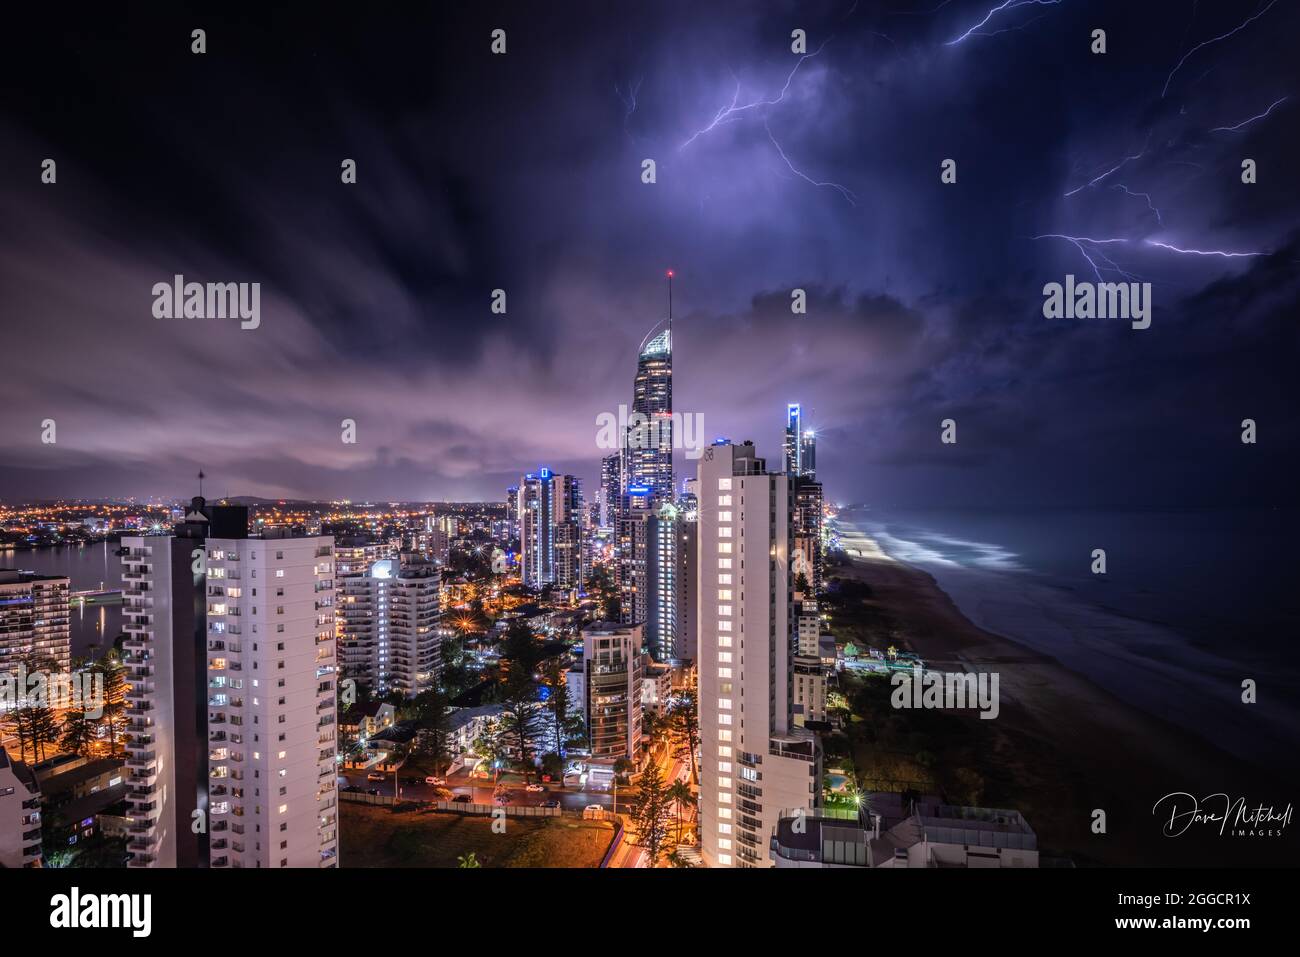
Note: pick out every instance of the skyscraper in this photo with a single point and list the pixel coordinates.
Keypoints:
(611, 487)
(549, 507)
(801, 464)
(230, 653)
(793, 447)
(649, 440)
(755, 762)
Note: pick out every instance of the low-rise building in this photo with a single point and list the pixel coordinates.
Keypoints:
(809, 691)
(891, 832)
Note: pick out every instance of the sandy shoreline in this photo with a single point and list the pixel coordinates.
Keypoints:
(1074, 747)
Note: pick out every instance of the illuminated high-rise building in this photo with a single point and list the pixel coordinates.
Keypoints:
(549, 507)
(649, 440)
(756, 763)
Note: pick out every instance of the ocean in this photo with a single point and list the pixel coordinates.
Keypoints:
(1191, 604)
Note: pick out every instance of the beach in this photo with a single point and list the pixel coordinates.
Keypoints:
(1072, 747)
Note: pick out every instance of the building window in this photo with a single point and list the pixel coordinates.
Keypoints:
(724, 485)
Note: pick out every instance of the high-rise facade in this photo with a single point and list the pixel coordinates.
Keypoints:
(387, 612)
(611, 487)
(755, 761)
(669, 536)
(800, 451)
(613, 666)
(231, 699)
(649, 441)
(549, 507)
(34, 620)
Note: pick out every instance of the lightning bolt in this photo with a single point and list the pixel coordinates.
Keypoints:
(1205, 43)
(629, 102)
(1244, 123)
(1203, 252)
(1083, 243)
(731, 111)
(1147, 196)
(843, 190)
(1005, 5)
(1127, 159)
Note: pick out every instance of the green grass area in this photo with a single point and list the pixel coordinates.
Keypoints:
(376, 836)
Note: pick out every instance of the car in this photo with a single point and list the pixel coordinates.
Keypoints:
(435, 780)
(461, 799)
(373, 791)
(534, 789)
(593, 811)
(376, 776)
(503, 797)
(551, 803)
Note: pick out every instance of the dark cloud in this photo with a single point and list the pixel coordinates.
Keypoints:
(523, 173)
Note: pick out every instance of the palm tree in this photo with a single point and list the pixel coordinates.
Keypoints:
(680, 792)
(469, 860)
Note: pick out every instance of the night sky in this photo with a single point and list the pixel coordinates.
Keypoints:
(523, 172)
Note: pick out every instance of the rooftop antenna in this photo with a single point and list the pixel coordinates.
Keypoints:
(201, 478)
(670, 301)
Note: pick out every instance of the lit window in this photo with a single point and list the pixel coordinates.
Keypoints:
(724, 500)
(724, 641)
(724, 843)
(283, 808)
(724, 516)
(724, 672)
(724, 485)
(724, 611)
(724, 562)
(724, 578)
(724, 531)
(724, 704)
(724, 813)
(724, 783)
(724, 767)
(724, 626)
(724, 594)
(724, 548)
(724, 657)
(724, 860)
(724, 719)
(724, 751)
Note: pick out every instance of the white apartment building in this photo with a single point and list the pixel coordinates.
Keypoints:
(230, 653)
(20, 814)
(387, 624)
(755, 762)
(272, 799)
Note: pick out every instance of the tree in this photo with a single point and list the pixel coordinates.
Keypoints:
(520, 717)
(469, 860)
(651, 812)
(79, 732)
(680, 793)
(685, 721)
(432, 712)
(113, 718)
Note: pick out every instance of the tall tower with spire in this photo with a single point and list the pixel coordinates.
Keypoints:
(649, 440)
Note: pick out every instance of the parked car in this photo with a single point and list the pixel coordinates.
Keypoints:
(460, 799)
(376, 776)
(534, 789)
(593, 811)
(435, 780)
(551, 803)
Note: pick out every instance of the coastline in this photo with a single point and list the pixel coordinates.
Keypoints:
(1069, 745)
